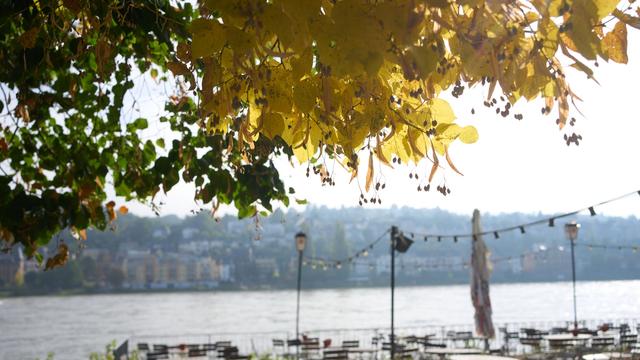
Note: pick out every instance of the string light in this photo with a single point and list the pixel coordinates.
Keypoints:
(550, 221)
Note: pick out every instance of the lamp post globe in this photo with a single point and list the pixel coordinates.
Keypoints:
(301, 241)
(571, 230)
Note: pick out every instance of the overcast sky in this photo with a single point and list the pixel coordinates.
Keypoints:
(516, 166)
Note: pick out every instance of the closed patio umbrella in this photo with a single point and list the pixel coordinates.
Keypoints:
(480, 272)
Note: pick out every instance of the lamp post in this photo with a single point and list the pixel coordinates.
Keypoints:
(400, 244)
(571, 231)
(301, 240)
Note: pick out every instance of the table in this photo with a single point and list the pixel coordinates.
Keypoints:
(607, 356)
(443, 352)
(567, 339)
(481, 357)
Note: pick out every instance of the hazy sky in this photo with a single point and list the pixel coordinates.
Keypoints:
(522, 166)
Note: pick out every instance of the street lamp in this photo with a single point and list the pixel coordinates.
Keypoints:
(571, 231)
(401, 244)
(301, 240)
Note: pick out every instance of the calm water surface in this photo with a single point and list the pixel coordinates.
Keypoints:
(74, 326)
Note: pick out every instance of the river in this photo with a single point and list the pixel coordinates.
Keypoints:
(73, 326)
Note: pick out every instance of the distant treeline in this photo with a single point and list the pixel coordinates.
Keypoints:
(261, 251)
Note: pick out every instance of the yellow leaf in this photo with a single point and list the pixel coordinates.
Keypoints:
(305, 94)
(301, 65)
(208, 37)
(615, 43)
(380, 153)
(441, 111)
(369, 179)
(468, 134)
(581, 32)
(604, 8)
(272, 125)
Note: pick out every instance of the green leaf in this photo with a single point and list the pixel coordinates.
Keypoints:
(138, 124)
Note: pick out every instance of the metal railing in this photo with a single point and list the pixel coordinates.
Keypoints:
(261, 343)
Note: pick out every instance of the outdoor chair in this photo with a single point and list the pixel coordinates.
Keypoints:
(223, 344)
(143, 347)
(197, 353)
(231, 353)
(158, 354)
(561, 344)
(338, 354)
(209, 347)
(602, 342)
(587, 331)
(463, 336)
(628, 340)
(532, 341)
(160, 348)
(278, 346)
(405, 352)
(277, 343)
(310, 347)
(559, 330)
(350, 343)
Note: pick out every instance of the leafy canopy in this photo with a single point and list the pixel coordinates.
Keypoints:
(359, 81)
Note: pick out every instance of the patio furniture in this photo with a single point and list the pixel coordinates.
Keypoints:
(160, 347)
(209, 347)
(628, 340)
(443, 353)
(335, 354)
(231, 353)
(350, 343)
(223, 344)
(607, 356)
(480, 357)
(567, 340)
(197, 353)
(533, 341)
(161, 353)
(602, 342)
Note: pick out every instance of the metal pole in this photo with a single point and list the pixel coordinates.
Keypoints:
(573, 273)
(298, 304)
(394, 231)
